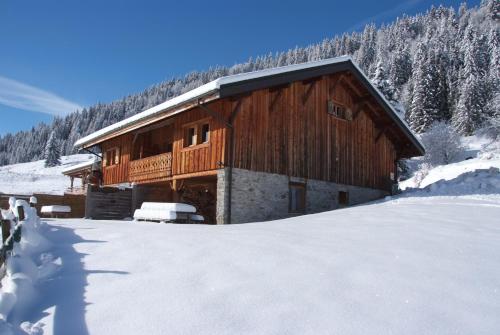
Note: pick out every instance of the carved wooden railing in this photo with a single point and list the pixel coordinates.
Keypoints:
(154, 168)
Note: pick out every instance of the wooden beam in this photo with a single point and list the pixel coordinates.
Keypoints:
(177, 184)
(278, 87)
(354, 92)
(308, 91)
(235, 111)
(311, 80)
(358, 106)
(239, 96)
(195, 174)
(380, 133)
(353, 87)
(334, 84)
(214, 114)
(275, 99)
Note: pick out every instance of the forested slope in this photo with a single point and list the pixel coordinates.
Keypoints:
(441, 65)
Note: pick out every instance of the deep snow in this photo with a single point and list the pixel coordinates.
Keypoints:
(423, 262)
(34, 177)
(406, 266)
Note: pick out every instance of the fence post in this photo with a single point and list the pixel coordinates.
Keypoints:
(17, 233)
(20, 213)
(5, 230)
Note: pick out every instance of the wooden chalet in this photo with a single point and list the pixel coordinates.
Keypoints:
(262, 145)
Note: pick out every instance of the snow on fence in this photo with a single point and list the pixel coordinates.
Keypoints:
(24, 262)
(75, 201)
(11, 233)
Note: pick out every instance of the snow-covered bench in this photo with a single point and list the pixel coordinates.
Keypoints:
(167, 212)
(55, 211)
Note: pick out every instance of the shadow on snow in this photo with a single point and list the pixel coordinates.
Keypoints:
(66, 290)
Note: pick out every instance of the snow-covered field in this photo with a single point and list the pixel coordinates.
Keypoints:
(34, 177)
(424, 262)
(408, 266)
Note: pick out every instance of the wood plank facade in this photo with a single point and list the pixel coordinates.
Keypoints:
(285, 130)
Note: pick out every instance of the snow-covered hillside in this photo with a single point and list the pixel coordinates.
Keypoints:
(34, 177)
(475, 175)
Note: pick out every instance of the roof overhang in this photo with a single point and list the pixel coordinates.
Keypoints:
(78, 168)
(245, 82)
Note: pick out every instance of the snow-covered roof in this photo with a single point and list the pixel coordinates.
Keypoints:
(214, 87)
(77, 167)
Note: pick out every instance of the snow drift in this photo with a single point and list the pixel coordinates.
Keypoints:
(26, 265)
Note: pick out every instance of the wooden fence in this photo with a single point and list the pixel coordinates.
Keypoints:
(75, 201)
(8, 238)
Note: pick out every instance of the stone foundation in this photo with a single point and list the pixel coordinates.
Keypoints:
(260, 196)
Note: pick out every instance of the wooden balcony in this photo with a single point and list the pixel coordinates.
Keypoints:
(151, 169)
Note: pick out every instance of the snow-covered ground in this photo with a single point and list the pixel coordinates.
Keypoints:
(405, 266)
(34, 177)
(424, 262)
(480, 153)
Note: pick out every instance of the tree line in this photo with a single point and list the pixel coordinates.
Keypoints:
(440, 66)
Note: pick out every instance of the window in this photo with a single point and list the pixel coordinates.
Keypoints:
(112, 156)
(205, 133)
(338, 110)
(343, 199)
(297, 197)
(190, 137)
(196, 133)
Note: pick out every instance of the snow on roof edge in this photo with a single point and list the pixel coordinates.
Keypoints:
(77, 166)
(197, 92)
(205, 89)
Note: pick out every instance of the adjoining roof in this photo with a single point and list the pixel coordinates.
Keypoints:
(78, 167)
(245, 82)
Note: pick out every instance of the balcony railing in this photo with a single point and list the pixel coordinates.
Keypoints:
(77, 190)
(153, 168)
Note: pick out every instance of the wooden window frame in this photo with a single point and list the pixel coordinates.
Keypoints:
(198, 128)
(301, 205)
(332, 109)
(115, 155)
(202, 126)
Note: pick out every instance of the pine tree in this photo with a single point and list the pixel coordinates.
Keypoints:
(424, 106)
(382, 82)
(52, 152)
(472, 103)
(400, 70)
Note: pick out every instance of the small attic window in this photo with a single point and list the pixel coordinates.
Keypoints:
(338, 110)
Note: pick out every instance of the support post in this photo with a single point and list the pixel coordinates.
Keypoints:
(5, 230)
(20, 213)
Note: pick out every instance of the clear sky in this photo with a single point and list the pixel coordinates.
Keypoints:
(56, 56)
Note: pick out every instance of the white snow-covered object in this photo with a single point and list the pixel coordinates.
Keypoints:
(169, 206)
(55, 209)
(167, 211)
(154, 215)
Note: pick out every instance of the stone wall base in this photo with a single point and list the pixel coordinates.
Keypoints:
(260, 196)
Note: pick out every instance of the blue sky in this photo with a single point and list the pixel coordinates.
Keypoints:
(56, 56)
